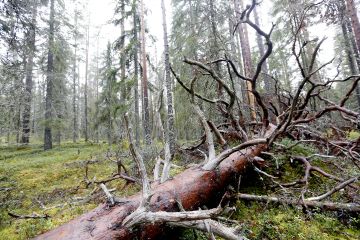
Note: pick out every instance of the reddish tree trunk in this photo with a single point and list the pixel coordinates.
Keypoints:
(193, 188)
(246, 55)
(350, 4)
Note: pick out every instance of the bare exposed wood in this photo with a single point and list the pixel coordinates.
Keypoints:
(144, 216)
(216, 227)
(109, 196)
(157, 169)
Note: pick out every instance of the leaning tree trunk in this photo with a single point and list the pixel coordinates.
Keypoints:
(193, 188)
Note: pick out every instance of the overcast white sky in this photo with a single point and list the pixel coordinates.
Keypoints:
(102, 13)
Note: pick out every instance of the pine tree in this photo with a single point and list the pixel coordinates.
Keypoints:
(49, 80)
(29, 74)
(170, 131)
(146, 109)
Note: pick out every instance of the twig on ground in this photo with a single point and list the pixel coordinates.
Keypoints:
(335, 189)
(32, 216)
(331, 206)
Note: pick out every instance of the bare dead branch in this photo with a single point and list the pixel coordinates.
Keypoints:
(32, 216)
(196, 94)
(332, 191)
(216, 77)
(142, 216)
(216, 227)
(219, 136)
(329, 206)
(139, 162)
(208, 134)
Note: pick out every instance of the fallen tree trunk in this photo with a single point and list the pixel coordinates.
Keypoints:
(193, 188)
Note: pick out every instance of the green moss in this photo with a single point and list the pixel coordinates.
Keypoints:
(353, 135)
(271, 221)
(191, 234)
(49, 178)
(299, 149)
(262, 221)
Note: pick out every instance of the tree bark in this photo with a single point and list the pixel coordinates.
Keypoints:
(110, 80)
(49, 80)
(214, 43)
(170, 131)
(86, 80)
(97, 76)
(75, 130)
(193, 188)
(246, 55)
(136, 79)
(29, 77)
(122, 55)
(353, 37)
(146, 110)
(350, 5)
(351, 55)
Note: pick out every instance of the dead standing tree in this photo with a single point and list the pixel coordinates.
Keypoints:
(176, 202)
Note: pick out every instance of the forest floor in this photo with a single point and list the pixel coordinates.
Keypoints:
(51, 183)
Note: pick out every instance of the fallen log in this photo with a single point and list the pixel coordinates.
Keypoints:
(194, 188)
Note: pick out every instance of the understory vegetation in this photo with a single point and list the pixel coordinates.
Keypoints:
(53, 186)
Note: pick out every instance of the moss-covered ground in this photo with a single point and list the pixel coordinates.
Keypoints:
(51, 182)
(267, 221)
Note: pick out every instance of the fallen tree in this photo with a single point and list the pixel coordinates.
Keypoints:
(179, 201)
(193, 188)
